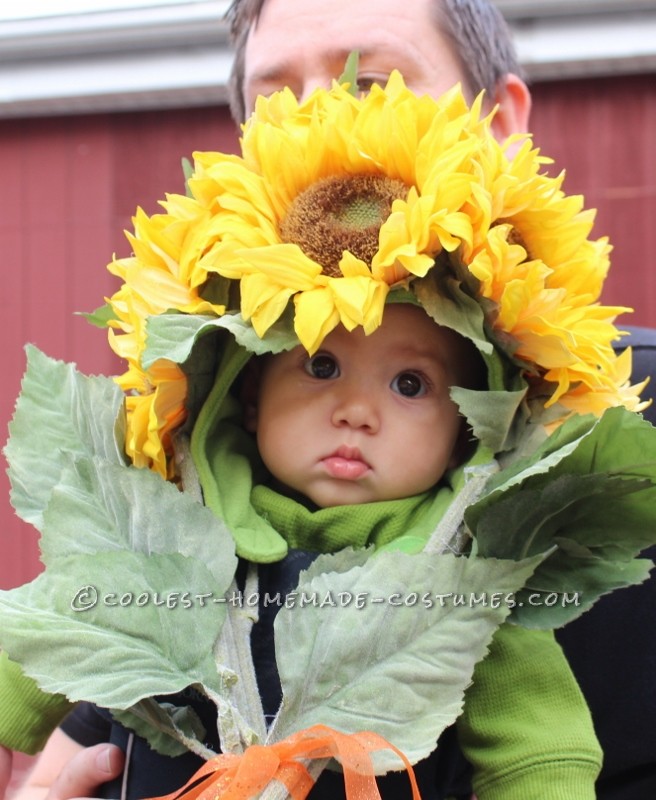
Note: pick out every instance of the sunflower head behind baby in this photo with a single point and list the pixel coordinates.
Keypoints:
(322, 216)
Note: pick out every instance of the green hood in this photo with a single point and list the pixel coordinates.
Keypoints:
(264, 523)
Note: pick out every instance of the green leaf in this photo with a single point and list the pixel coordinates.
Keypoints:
(100, 317)
(380, 630)
(187, 171)
(169, 729)
(350, 73)
(98, 507)
(173, 336)
(116, 627)
(588, 494)
(491, 415)
(559, 602)
(110, 530)
(219, 290)
(448, 304)
(59, 413)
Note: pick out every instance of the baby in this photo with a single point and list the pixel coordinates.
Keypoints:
(367, 418)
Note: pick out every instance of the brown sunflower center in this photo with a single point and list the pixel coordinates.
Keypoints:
(341, 213)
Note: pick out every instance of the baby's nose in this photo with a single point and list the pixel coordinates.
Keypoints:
(357, 409)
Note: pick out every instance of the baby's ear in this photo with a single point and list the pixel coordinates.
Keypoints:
(248, 393)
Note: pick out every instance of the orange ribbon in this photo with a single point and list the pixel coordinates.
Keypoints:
(242, 777)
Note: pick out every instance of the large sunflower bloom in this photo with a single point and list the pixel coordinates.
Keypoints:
(350, 214)
(336, 200)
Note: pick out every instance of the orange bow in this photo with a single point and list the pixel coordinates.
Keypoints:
(241, 777)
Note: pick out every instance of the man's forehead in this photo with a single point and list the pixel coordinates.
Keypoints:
(353, 24)
(302, 42)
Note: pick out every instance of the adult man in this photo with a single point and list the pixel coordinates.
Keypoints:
(303, 44)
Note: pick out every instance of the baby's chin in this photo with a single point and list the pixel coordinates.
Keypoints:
(335, 493)
(330, 494)
(344, 494)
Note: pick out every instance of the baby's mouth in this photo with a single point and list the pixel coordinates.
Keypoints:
(346, 463)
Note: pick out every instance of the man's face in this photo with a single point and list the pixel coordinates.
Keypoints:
(304, 44)
(367, 418)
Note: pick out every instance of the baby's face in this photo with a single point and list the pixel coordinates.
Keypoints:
(367, 418)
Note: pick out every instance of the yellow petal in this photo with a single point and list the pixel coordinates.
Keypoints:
(315, 317)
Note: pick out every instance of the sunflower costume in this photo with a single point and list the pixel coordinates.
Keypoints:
(336, 207)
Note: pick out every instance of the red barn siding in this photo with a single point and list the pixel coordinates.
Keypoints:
(603, 133)
(71, 185)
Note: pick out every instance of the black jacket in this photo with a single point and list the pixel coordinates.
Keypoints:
(612, 650)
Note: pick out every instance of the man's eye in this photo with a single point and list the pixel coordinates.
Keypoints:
(322, 366)
(409, 384)
(365, 82)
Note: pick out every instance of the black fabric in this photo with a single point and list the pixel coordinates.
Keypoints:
(612, 651)
(643, 344)
(444, 774)
(85, 725)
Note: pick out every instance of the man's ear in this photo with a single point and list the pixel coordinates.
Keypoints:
(249, 392)
(514, 107)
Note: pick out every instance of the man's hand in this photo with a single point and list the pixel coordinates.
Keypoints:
(86, 771)
(5, 770)
(65, 770)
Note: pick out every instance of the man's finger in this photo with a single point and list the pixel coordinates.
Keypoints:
(86, 771)
(5, 769)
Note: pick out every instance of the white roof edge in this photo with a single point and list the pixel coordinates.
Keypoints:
(587, 45)
(537, 9)
(178, 55)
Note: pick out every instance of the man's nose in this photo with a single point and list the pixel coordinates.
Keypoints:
(356, 407)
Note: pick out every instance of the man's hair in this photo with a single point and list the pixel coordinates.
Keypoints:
(479, 36)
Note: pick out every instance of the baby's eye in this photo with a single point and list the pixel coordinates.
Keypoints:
(322, 366)
(409, 384)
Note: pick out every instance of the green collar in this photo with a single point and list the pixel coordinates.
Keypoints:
(326, 530)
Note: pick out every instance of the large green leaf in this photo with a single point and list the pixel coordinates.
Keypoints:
(59, 412)
(108, 530)
(405, 628)
(116, 627)
(619, 443)
(99, 507)
(565, 587)
(589, 494)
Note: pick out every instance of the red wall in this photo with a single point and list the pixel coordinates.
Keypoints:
(71, 184)
(603, 133)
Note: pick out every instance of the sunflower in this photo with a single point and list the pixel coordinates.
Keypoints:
(161, 275)
(337, 200)
(352, 212)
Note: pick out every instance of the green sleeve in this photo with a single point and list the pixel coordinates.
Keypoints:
(525, 727)
(28, 715)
